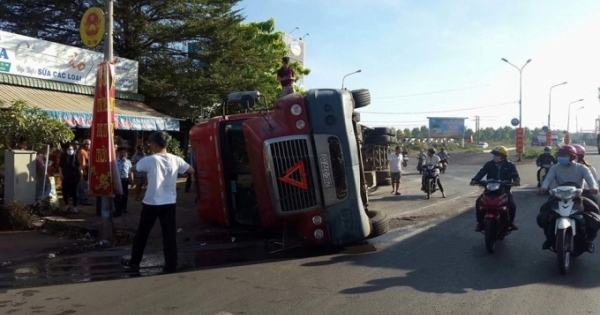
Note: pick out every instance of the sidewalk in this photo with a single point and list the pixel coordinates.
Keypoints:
(29, 244)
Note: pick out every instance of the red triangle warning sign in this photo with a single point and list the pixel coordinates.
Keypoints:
(287, 177)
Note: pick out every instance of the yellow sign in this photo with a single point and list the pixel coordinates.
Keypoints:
(92, 27)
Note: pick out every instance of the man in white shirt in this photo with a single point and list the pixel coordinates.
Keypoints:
(395, 170)
(162, 169)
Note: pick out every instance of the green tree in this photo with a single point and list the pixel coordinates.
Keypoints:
(416, 133)
(231, 56)
(406, 132)
(424, 131)
(20, 120)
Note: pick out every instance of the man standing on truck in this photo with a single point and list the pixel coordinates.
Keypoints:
(395, 170)
(286, 75)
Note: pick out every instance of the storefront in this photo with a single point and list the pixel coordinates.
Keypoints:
(60, 80)
(73, 104)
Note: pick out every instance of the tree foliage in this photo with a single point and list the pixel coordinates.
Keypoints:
(22, 121)
(230, 56)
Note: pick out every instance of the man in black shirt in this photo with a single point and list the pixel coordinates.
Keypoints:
(286, 75)
(544, 159)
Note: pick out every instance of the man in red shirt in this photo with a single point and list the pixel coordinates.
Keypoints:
(286, 75)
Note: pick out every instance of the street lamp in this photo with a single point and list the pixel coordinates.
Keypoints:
(576, 123)
(301, 38)
(520, 93)
(550, 103)
(295, 28)
(569, 115)
(344, 78)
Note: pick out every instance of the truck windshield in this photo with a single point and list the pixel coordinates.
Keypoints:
(240, 188)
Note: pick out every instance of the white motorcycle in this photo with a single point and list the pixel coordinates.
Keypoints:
(569, 226)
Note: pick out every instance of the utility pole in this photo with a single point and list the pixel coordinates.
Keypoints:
(107, 203)
(477, 128)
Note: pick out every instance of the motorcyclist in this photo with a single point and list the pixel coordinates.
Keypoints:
(443, 155)
(543, 159)
(567, 171)
(432, 159)
(581, 160)
(499, 168)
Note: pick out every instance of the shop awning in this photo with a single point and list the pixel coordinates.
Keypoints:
(76, 109)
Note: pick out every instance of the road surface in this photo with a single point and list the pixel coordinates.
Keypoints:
(432, 263)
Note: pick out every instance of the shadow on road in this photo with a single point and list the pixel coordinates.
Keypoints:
(451, 258)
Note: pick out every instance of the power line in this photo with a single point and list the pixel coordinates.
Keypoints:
(429, 93)
(438, 111)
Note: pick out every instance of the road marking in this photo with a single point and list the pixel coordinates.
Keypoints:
(433, 205)
(440, 202)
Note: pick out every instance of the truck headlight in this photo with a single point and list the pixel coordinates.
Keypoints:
(296, 109)
(300, 124)
(319, 234)
(316, 220)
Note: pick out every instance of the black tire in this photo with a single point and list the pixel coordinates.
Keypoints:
(428, 188)
(380, 224)
(362, 98)
(563, 252)
(385, 182)
(490, 236)
(380, 131)
(378, 140)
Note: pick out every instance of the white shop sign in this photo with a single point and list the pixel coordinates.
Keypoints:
(32, 57)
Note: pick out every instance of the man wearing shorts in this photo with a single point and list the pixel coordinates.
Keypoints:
(395, 170)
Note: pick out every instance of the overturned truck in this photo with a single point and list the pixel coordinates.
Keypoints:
(296, 166)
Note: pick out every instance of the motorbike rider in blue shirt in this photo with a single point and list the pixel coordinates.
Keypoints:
(499, 168)
(544, 159)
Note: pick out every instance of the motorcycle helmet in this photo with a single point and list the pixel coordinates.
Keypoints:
(431, 150)
(580, 149)
(567, 150)
(546, 149)
(500, 150)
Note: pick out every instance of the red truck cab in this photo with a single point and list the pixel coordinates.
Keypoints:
(297, 165)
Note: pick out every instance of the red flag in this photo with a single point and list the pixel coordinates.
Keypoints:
(104, 176)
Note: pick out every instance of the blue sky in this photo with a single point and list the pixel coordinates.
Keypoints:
(413, 47)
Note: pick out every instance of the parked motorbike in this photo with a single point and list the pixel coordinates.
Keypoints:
(569, 225)
(494, 202)
(404, 160)
(430, 179)
(444, 165)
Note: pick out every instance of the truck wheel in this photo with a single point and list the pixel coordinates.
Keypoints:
(380, 224)
(362, 98)
(380, 131)
(379, 140)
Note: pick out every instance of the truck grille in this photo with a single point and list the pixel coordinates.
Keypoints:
(292, 169)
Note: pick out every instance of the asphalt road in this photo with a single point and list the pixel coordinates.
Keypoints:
(433, 263)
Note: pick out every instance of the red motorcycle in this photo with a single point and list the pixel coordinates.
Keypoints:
(494, 203)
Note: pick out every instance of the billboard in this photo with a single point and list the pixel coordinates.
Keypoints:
(446, 127)
(296, 51)
(37, 58)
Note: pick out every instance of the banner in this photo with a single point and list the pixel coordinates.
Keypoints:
(446, 127)
(84, 120)
(104, 180)
(37, 58)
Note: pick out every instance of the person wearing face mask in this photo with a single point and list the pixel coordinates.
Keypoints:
(499, 168)
(581, 160)
(70, 175)
(434, 160)
(544, 159)
(567, 171)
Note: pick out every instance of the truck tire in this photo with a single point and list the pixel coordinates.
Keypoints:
(379, 140)
(380, 224)
(362, 98)
(380, 131)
